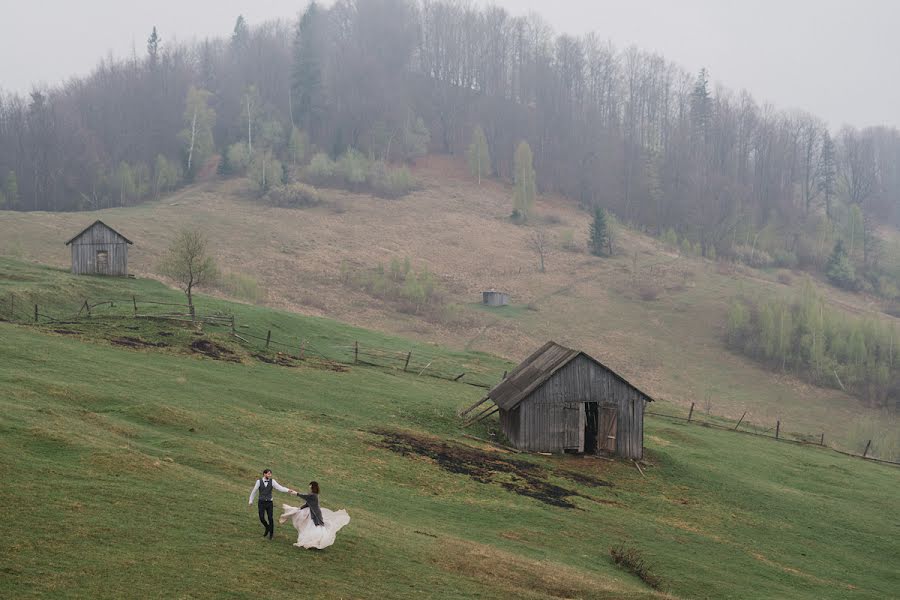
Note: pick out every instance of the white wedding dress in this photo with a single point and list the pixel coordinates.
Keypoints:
(308, 534)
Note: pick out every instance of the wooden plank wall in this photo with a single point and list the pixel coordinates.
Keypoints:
(543, 421)
(86, 246)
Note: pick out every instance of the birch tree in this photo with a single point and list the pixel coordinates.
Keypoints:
(197, 135)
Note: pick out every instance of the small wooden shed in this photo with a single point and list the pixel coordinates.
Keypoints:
(494, 298)
(563, 400)
(99, 250)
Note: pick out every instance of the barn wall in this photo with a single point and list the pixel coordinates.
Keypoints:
(86, 246)
(552, 417)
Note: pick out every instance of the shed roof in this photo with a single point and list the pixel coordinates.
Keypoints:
(535, 370)
(83, 231)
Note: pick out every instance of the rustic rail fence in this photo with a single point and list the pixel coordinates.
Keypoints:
(775, 432)
(418, 361)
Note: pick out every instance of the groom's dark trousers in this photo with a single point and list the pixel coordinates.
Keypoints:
(265, 509)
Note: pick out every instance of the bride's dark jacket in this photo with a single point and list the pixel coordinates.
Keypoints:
(312, 503)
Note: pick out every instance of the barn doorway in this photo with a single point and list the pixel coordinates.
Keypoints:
(591, 427)
(102, 262)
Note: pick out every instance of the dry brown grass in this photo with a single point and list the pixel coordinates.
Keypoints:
(461, 232)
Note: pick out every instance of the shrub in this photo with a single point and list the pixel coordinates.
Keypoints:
(236, 158)
(784, 259)
(321, 170)
(839, 269)
(353, 168)
(632, 560)
(648, 291)
(567, 241)
(752, 257)
(785, 278)
(294, 195)
(390, 183)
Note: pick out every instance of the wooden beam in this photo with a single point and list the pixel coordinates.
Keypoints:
(482, 416)
(474, 406)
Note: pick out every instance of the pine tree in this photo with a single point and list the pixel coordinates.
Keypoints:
(479, 155)
(153, 47)
(599, 241)
(241, 34)
(827, 173)
(307, 95)
(524, 180)
(701, 106)
(839, 269)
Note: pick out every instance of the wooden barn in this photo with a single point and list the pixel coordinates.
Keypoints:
(563, 400)
(99, 250)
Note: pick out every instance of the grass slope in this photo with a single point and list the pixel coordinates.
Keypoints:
(126, 475)
(671, 346)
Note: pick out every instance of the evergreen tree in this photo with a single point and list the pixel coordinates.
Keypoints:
(701, 106)
(827, 173)
(839, 269)
(599, 240)
(524, 181)
(307, 93)
(241, 34)
(479, 155)
(153, 47)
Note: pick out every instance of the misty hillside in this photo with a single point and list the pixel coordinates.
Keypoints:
(656, 314)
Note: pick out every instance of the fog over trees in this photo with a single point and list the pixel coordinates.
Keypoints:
(616, 128)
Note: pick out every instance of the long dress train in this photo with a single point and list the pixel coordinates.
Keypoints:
(309, 535)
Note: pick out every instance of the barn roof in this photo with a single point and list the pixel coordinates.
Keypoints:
(83, 231)
(537, 369)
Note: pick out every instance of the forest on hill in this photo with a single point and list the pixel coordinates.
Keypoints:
(709, 169)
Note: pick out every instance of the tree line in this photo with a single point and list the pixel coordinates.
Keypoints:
(823, 345)
(621, 129)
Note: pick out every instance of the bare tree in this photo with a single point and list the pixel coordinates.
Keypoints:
(539, 241)
(188, 263)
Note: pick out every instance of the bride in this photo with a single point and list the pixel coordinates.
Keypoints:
(316, 526)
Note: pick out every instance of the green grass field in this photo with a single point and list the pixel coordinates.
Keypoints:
(127, 474)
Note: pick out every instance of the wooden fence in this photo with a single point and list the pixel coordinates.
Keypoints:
(776, 432)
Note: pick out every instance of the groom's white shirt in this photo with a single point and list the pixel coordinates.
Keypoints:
(275, 485)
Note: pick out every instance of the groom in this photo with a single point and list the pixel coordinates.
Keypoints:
(264, 486)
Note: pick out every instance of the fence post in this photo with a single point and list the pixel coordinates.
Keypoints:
(866, 451)
(12, 306)
(406, 364)
(268, 338)
(739, 421)
(88, 307)
(356, 352)
(302, 344)
(35, 313)
(134, 302)
(690, 414)
(232, 323)
(504, 375)
(822, 439)
(777, 429)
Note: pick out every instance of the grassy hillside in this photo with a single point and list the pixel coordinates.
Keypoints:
(651, 314)
(127, 473)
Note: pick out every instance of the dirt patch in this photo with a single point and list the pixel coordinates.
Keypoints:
(213, 350)
(279, 359)
(65, 332)
(518, 476)
(133, 342)
(165, 334)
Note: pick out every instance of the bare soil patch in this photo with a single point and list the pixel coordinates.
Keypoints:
(133, 342)
(213, 350)
(517, 476)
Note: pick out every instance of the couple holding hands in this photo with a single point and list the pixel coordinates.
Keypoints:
(316, 526)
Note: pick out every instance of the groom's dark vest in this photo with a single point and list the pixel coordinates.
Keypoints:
(265, 490)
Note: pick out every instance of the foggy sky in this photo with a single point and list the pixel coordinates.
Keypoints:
(835, 58)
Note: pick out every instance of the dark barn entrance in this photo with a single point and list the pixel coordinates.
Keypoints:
(591, 426)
